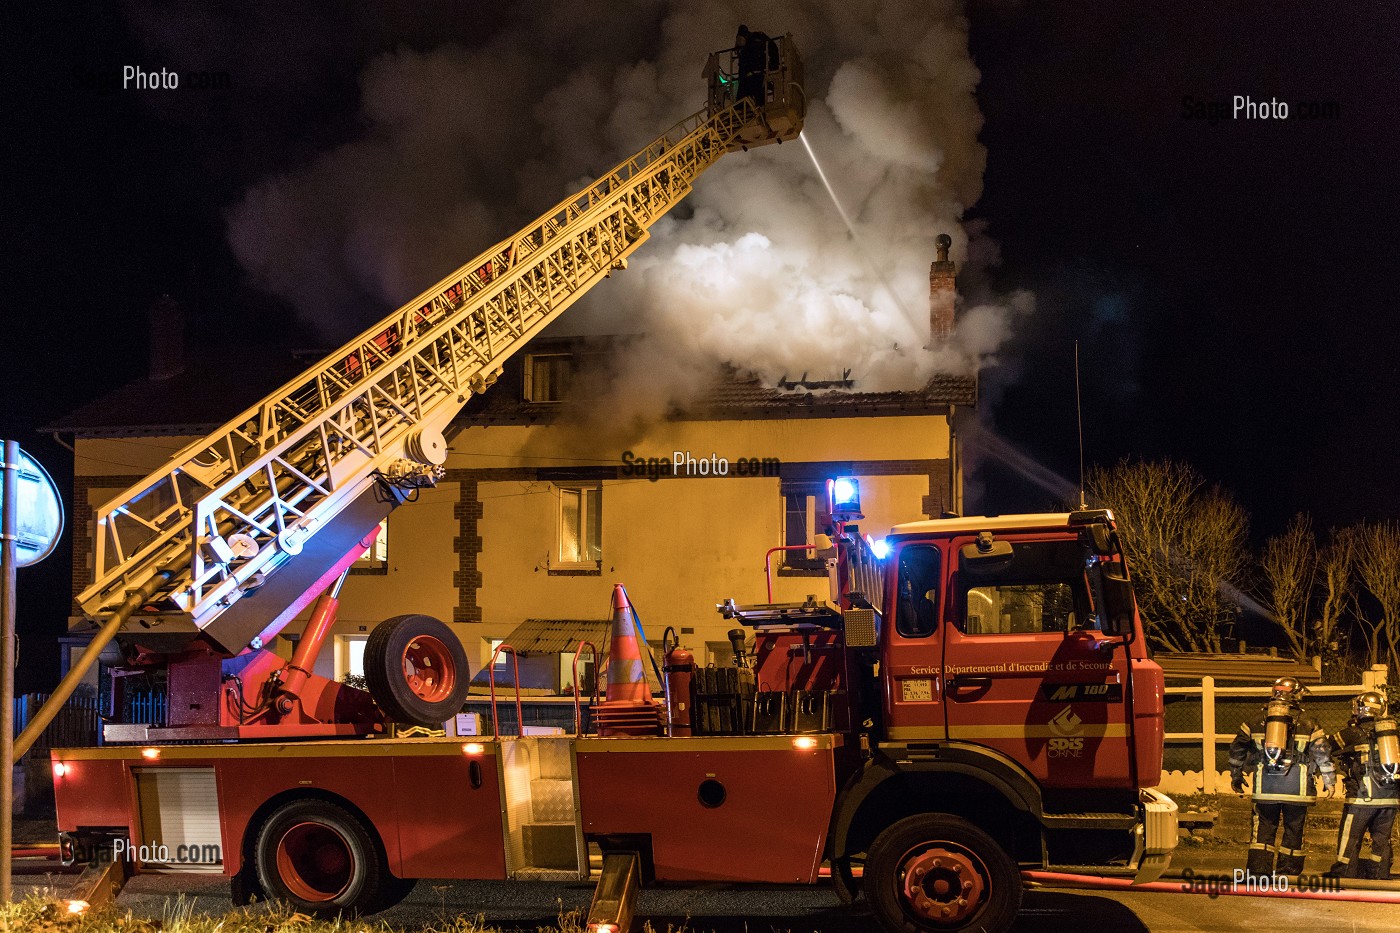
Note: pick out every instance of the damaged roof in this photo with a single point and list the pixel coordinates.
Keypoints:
(199, 401)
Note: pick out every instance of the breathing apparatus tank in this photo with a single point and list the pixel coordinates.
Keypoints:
(1279, 715)
(1371, 705)
(1388, 749)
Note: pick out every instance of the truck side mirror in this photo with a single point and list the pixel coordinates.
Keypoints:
(1098, 538)
(1118, 601)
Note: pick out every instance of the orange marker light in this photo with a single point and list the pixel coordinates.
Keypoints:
(59, 769)
(804, 743)
(150, 754)
(473, 748)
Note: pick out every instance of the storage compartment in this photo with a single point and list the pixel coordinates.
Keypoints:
(179, 819)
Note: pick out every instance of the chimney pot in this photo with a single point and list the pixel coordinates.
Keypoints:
(942, 289)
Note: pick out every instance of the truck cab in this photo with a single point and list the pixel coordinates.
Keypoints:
(1000, 632)
(993, 673)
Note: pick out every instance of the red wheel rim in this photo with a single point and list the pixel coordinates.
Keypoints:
(428, 669)
(942, 884)
(314, 861)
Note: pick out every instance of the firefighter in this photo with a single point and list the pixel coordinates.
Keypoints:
(1369, 755)
(1286, 751)
(753, 55)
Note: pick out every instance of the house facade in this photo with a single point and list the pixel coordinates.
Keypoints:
(534, 522)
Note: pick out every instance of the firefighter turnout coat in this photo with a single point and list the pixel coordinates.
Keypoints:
(1306, 756)
(1367, 784)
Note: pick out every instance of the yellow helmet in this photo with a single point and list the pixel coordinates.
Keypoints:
(1288, 688)
(1368, 705)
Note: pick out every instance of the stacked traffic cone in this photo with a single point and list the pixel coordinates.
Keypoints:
(629, 708)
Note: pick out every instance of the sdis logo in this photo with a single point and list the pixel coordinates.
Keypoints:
(1066, 748)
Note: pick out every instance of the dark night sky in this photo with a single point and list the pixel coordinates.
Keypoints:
(1230, 284)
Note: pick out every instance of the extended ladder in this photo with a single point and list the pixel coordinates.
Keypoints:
(230, 509)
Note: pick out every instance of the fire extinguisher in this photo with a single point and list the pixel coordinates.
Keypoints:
(679, 668)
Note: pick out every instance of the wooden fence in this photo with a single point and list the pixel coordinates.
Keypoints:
(1201, 721)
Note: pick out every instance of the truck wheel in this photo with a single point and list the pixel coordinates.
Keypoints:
(939, 872)
(416, 670)
(321, 859)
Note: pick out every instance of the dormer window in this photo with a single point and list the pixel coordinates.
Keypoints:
(547, 377)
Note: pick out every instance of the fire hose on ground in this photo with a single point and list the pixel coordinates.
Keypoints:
(1063, 880)
(1366, 892)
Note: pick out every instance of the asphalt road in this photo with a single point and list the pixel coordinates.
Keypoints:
(528, 906)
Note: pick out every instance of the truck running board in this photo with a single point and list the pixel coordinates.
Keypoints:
(1088, 820)
(616, 895)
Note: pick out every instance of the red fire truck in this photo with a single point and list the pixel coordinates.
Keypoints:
(972, 697)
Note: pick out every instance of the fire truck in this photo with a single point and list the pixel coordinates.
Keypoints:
(969, 699)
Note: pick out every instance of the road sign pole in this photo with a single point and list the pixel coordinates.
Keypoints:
(9, 564)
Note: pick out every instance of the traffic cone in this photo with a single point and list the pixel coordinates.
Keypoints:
(629, 708)
(627, 679)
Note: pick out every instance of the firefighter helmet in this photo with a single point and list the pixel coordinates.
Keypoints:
(1368, 705)
(1287, 688)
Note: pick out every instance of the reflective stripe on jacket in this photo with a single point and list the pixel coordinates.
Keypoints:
(1367, 783)
(1308, 755)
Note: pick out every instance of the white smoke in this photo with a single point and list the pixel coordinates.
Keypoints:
(757, 269)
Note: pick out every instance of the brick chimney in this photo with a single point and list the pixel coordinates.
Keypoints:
(167, 323)
(942, 289)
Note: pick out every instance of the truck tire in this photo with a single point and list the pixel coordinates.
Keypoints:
(416, 670)
(939, 872)
(321, 859)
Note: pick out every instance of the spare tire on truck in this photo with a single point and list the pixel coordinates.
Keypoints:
(416, 670)
(938, 872)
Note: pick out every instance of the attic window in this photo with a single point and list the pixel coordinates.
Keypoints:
(547, 377)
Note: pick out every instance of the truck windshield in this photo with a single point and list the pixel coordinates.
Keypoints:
(1040, 589)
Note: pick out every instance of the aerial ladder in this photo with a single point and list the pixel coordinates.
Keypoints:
(199, 565)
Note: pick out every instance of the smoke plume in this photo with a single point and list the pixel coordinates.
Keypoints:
(465, 142)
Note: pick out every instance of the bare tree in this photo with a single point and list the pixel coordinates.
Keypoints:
(1378, 566)
(1186, 545)
(1336, 567)
(1290, 566)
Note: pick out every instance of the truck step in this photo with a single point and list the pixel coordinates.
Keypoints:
(1105, 870)
(1089, 820)
(545, 874)
(555, 760)
(552, 800)
(550, 845)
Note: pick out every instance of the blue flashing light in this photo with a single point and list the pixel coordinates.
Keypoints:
(878, 546)
(845, 491)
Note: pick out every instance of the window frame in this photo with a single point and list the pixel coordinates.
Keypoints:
(797, 562)
(344, 655)
(529, 387)
(938, 595)
(375, 560)
(588, 536)
(1080, 594)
